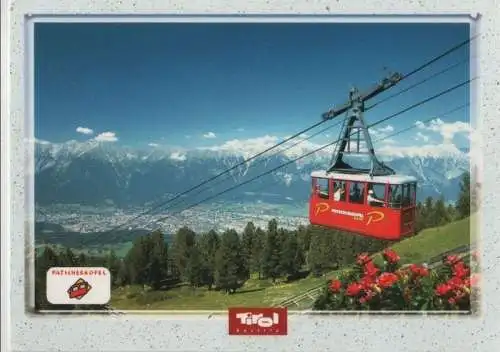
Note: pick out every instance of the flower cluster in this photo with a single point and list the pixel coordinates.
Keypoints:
(457, 288)
(392, 287)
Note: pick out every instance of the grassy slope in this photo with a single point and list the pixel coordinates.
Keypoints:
(421, 248)
(432, 242)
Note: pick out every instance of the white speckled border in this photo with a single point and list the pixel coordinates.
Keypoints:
(21, 332)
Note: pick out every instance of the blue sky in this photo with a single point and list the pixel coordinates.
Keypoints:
(173, 84)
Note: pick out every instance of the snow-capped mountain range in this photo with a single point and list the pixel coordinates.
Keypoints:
(95, 173)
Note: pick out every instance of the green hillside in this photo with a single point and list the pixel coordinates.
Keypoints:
(431, 242)
(420, 248)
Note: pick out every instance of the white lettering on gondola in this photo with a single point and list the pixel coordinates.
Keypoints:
(358, 216)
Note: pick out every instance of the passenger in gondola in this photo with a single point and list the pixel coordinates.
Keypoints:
(337, 195)
(355, 195)
(373, 200)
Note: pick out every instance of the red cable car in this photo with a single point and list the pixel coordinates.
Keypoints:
(379, 206)
(373, 201)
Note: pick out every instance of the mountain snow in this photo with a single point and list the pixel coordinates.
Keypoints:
(93, 172)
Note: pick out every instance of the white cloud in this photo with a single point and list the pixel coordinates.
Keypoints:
(447, 130)
(420, 124)
(84, 130)
(380, 132)
(421, 137)
(240, 129)
(252, 146)
(209, 135)
(389, 141)
(178, 156)
(246, 146)
(106, 137)
(386, 129)
(153, 145)
(429, 150)
(424, 145)
(353, 144)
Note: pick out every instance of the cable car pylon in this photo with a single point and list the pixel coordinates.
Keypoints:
(354, 129)
(373, 201)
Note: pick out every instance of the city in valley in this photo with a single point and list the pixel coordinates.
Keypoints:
(218, 217)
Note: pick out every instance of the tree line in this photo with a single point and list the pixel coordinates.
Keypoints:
(225, 261)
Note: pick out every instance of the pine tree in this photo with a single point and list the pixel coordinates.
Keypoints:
(209, 244)
(113, 265)
(184, 241)
(229, 267)
(158, 260)
(290, 256)
(314, 256)
(258, 244)
(330, 249)
(440, 213)
(452, 212)
(67, 258)
(428, 213)
(122, 277)
(271, 260)
(194, 269)
(44, 262)
(138, 261)
(304, 239)
(463, 204)
(247, 239)
(82, 260)
(420, 217)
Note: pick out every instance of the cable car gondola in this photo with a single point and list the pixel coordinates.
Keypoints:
(375, 201)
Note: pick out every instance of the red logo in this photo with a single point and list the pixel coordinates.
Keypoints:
(79, 289)
(258, 321)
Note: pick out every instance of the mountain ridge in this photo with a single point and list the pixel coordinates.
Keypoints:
(94, 173)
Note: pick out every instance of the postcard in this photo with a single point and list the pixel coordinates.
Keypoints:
(256, 168)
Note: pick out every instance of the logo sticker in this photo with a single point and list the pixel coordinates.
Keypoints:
(78, 285)
(79, 289)
(258, 321)
(374, 216)
(321, 208)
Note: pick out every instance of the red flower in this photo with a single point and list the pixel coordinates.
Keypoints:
(354, 289)
(391, 256)
(419, 270)
(455, 282)
(452, 259)
(459, 295)
(335, 286)
(452, 300)
(387, 279)
(371, 269)
(367, 297)
(443, 289)
(460, 270)
(424, 271)
(363, 258)
(367, 282)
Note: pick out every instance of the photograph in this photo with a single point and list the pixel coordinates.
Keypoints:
(199, 166)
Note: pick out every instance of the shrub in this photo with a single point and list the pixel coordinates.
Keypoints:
(392, 287)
